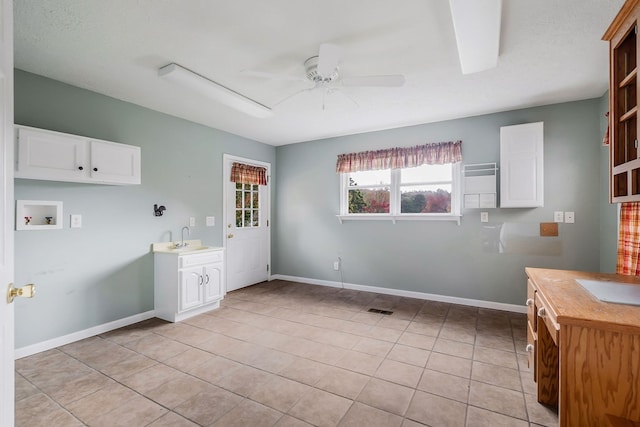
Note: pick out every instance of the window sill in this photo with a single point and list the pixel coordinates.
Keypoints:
(395, 218)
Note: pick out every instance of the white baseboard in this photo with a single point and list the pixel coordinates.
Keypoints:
(410, 294)
(80, 335)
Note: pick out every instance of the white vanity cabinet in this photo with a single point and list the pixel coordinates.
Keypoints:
(55, 156)
(188, 283)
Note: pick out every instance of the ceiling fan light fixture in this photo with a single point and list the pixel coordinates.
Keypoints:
(477, 27)
(197, 83)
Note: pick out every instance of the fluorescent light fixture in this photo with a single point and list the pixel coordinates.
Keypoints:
(211, 89)
(477, 27)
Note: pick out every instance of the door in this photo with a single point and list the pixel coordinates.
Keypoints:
(115, 163)
(6, 214)
(191, 281)
(51, 156)
(246, 227)
(521, 166)
(212, 282)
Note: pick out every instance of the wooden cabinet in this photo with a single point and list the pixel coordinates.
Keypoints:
(522, 166)
(187, 284)
(623, 104)
(587, 352)
(55, 156)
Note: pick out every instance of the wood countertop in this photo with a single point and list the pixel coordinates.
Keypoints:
(573, 304)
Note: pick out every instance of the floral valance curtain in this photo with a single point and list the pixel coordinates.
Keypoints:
(401, 157)
(629, 240)
(247, 174)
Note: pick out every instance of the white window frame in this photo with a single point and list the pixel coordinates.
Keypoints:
(395, 198)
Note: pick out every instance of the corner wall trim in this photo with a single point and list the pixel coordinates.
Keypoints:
(410, 294)
(80, 335)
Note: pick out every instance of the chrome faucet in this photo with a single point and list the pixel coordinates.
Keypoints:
(184, 244)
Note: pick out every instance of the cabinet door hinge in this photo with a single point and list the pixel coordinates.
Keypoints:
(267, 223)
(267, 267)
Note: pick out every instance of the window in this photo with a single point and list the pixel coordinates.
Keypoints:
(422, 192)
(247, 205)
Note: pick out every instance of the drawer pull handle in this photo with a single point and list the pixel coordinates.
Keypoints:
(529, 348)
(80, 168)
(201, 280)
(542, 312)
(529, 302)
(207, 281)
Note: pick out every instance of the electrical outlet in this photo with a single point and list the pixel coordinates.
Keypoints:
(569, 217)
(210, 221)
(484, 216)
(336, 265)
(192, 221)
(558, 216)
(76, 221)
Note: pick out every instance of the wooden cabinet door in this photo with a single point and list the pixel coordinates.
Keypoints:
(191, 284)
(115, 163)
(50, 156)
(521, 166)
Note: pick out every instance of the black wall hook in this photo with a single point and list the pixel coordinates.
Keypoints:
(158, 211)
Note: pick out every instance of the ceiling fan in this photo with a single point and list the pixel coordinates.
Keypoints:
(323, 71)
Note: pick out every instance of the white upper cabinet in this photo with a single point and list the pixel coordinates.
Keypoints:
(55, 156)
(521, 166)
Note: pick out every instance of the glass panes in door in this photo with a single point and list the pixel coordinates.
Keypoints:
(247, 205)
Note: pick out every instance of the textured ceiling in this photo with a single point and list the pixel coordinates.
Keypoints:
(550, 52)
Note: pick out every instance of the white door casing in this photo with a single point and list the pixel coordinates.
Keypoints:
(7, 379)
(247, 248)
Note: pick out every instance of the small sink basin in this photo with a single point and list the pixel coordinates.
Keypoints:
(190, 248)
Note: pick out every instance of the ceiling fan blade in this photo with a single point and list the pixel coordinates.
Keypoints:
(390, 80)
(328, 58)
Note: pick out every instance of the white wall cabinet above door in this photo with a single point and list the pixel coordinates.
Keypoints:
(55, 156)
(521, 166)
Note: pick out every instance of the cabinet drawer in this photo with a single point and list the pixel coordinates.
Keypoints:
(202, 258)
(548, 317)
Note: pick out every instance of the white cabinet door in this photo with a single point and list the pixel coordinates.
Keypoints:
(191, 281)
(115, 163)
(50, 156)
(521, 166)
(212, 282)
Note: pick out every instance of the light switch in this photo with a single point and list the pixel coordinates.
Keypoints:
(569, 217)
(558, 216)
(76, 221)
(210, 221)
(192, 221)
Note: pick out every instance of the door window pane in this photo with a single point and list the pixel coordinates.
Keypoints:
(247, 205)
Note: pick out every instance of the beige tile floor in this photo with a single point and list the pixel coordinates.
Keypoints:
(289, 354)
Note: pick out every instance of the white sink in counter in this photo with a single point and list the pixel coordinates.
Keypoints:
(192, 246)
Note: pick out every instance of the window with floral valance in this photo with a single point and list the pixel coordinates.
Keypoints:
(418, 182)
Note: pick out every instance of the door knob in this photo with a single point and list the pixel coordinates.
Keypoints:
(27, 291)
(230, 236)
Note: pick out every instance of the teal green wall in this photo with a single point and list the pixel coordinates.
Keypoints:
(441, 257)
(104, 271)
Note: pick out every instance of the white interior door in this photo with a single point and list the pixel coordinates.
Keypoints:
(246, 228)
(7, 379)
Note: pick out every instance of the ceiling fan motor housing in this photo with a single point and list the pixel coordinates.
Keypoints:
(311, 68)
